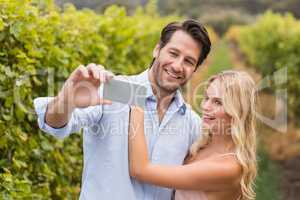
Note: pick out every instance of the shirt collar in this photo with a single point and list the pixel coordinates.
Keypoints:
(143, 78)
(180, 102)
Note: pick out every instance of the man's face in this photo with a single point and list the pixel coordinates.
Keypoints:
(175, 62)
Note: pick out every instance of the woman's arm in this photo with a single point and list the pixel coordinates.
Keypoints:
(221, 173)
(137, 150)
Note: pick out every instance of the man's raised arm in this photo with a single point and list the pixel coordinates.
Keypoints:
(81, 90)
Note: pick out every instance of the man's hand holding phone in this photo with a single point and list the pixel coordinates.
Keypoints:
(80, 90)
(82, 87)
(125, 91)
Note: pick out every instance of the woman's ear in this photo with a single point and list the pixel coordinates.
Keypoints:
(156, 51)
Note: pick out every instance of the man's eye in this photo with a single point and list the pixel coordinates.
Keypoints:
(190, 62)
(173, 54)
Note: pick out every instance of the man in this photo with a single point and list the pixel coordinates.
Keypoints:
(170, 125)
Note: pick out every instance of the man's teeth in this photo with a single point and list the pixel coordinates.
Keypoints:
(172, 75)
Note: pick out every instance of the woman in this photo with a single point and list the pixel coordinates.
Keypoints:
(222, 163)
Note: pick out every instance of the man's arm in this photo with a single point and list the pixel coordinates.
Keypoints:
(58, 113)
(80, 117)
(80, 91)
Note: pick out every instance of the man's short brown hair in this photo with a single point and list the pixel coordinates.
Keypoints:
(192, 27)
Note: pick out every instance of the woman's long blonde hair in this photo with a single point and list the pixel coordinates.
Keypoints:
(239, 101)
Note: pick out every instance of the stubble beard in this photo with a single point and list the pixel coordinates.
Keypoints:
(161, 86)
(166, 89)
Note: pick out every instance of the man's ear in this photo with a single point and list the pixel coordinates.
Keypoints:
(156, 51)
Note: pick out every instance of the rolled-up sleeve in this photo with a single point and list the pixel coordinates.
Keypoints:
(79, 118)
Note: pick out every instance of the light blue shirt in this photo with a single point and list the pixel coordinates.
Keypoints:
(105, 143)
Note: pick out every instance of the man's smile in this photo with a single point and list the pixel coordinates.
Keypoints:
(172, 75)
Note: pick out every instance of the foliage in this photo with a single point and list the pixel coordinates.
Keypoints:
(220, 59)
(272, 44)
(233, 33)
(39, 46)
(196, 8)
(221, 19)
(213, 36)
(267, 182)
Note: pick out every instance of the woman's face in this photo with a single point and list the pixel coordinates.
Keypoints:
(214, 116)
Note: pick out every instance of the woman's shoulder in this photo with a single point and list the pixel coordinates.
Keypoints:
(230, 165)
(226, 164)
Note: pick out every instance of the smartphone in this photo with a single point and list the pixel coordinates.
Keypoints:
(124, 91)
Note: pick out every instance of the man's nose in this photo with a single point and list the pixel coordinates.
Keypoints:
(177, 66)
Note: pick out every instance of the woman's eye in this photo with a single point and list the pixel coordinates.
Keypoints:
(217, 102)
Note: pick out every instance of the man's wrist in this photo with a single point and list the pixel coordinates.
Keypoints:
(63, 101)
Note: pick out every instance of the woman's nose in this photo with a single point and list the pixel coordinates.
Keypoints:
(206, 105)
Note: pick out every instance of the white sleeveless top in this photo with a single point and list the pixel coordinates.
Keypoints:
(195, 194)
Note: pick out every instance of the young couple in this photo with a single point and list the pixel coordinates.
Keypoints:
(164, 151)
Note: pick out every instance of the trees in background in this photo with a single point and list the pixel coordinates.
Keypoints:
(220, 14)
(39, 46)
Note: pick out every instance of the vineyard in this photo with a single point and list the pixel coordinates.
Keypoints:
(38, 41)
(40, 44)
(269, 49)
